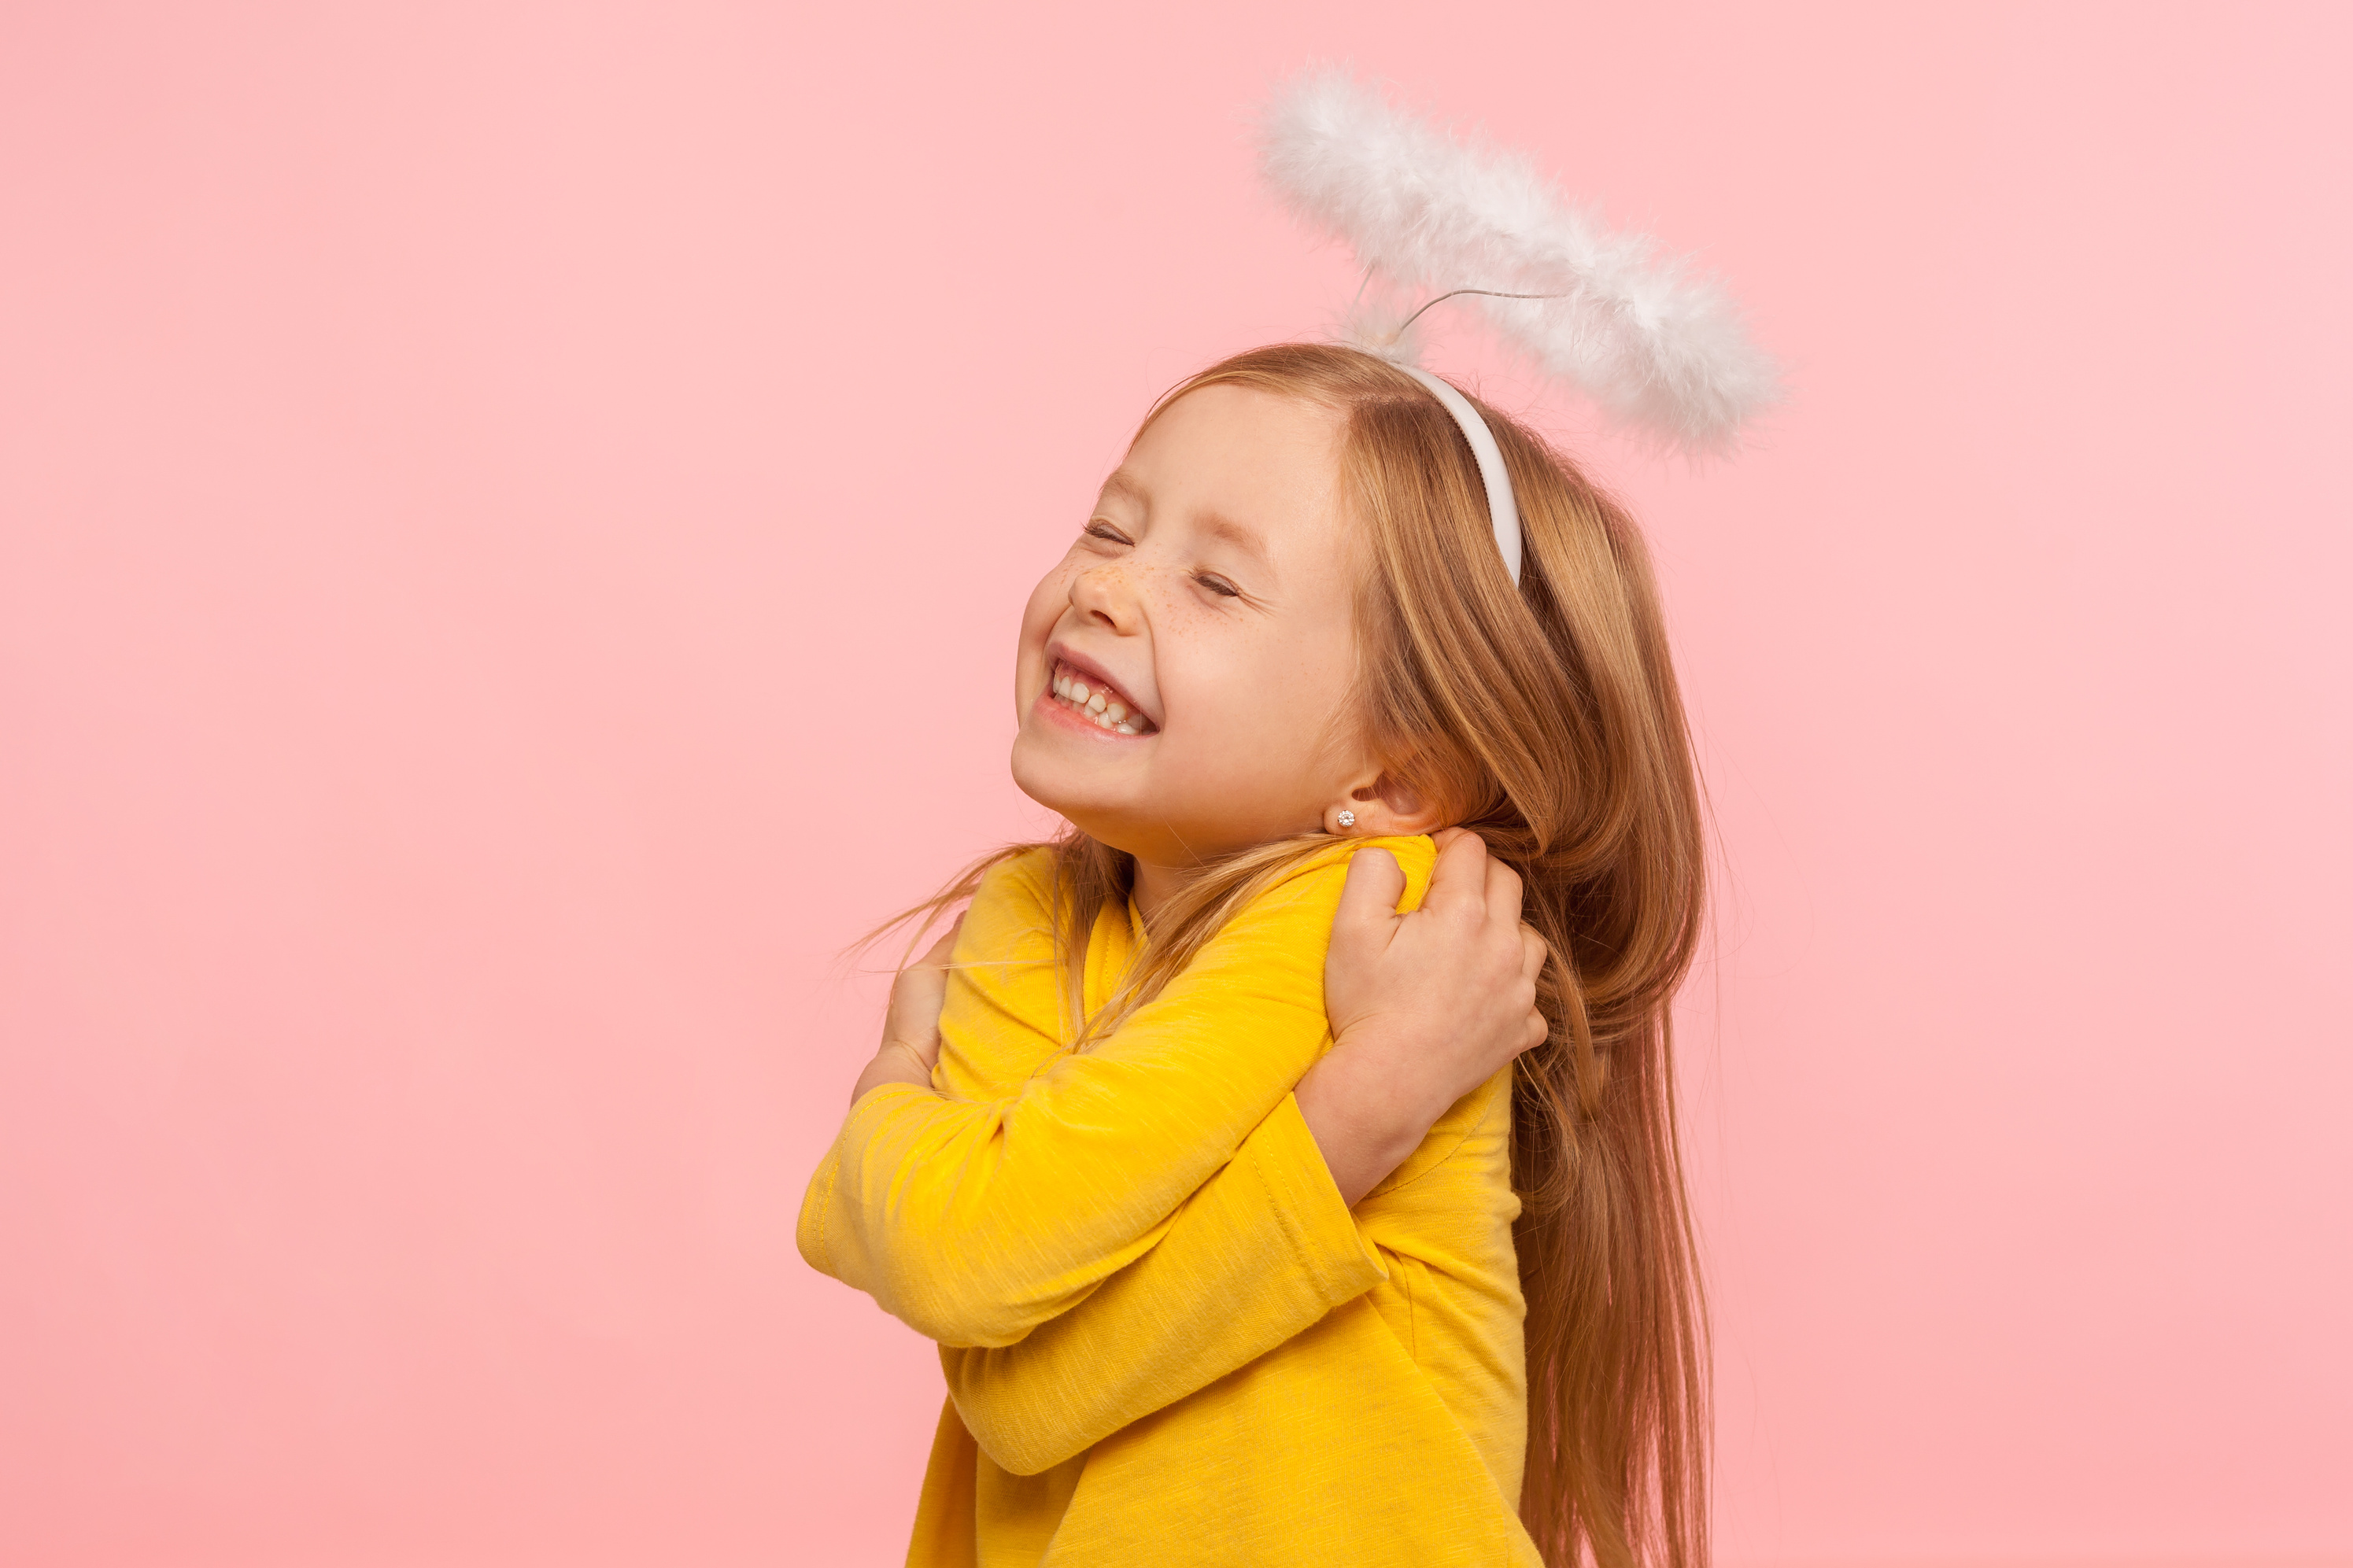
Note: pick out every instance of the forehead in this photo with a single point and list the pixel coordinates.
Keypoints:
(1236, 461)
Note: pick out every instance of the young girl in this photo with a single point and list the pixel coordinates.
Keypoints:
(1120, 1195)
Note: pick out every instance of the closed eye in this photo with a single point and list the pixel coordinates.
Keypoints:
(1216, 585)
(1101, 530)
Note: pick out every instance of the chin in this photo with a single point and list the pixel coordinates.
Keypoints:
(1052, 781)
(1050, 786)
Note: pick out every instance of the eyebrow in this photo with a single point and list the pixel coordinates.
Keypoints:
(1216, 524)
(1247, 540)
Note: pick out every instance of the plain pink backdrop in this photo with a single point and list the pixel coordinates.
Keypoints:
(511, 520)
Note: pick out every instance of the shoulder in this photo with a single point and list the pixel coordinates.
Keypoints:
(1306, 892)
(1416, 856)
(1322, 873)
(1013, 904)
(1026, 878)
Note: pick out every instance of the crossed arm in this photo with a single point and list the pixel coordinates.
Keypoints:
(1423, 1007)
(1258, 1243)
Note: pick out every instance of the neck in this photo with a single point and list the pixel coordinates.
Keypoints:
(1156, 885)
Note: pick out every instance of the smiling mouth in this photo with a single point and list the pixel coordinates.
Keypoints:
(1104, 706)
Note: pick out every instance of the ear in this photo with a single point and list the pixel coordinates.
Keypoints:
(1383, 806)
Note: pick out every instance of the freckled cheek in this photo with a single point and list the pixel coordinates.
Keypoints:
(1175, 607)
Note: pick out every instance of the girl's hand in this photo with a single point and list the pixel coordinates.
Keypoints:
(911, 1029)
(1425, 1007)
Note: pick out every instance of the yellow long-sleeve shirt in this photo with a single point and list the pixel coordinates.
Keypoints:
(1167, 1339)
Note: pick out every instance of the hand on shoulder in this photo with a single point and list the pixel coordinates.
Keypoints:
(911, 1030)
(1424, 1006)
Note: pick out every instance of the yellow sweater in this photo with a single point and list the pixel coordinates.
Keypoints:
(1167, 1339)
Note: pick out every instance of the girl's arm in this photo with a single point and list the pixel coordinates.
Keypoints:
(1267, 1247)
(1425, 1005)
(1257, 1256)
(975, 1222)
(1262, 1252)
(1431, 1004)
(1270, 1232)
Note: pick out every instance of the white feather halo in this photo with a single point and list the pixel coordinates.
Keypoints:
(1430, 214)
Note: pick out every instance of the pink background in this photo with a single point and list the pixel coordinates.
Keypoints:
(511, 520)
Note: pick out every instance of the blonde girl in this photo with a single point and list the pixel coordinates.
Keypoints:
(1264, 1212)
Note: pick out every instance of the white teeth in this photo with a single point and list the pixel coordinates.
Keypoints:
(1094, 702)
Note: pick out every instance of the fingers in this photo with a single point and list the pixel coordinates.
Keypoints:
(1468, 878)
(920, 989)
(1533, 951)
(918, 996)
(1458, 883)
(936, 956)
(1502, 894)
(1368, 899)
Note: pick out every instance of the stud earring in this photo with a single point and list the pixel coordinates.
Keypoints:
(1348, 818)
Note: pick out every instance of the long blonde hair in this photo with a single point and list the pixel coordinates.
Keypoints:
(1547, 718)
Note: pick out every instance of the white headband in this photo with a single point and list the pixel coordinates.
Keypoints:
(1502, 509)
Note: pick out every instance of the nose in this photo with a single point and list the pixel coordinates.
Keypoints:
(1106, 596)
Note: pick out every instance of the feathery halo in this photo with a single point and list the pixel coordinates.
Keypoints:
(1427, 213)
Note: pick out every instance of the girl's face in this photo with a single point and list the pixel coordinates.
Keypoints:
(1184, 671)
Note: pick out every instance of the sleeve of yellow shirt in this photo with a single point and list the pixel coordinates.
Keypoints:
(975, 1223)
(1260, 1253)
(1264, 1249)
